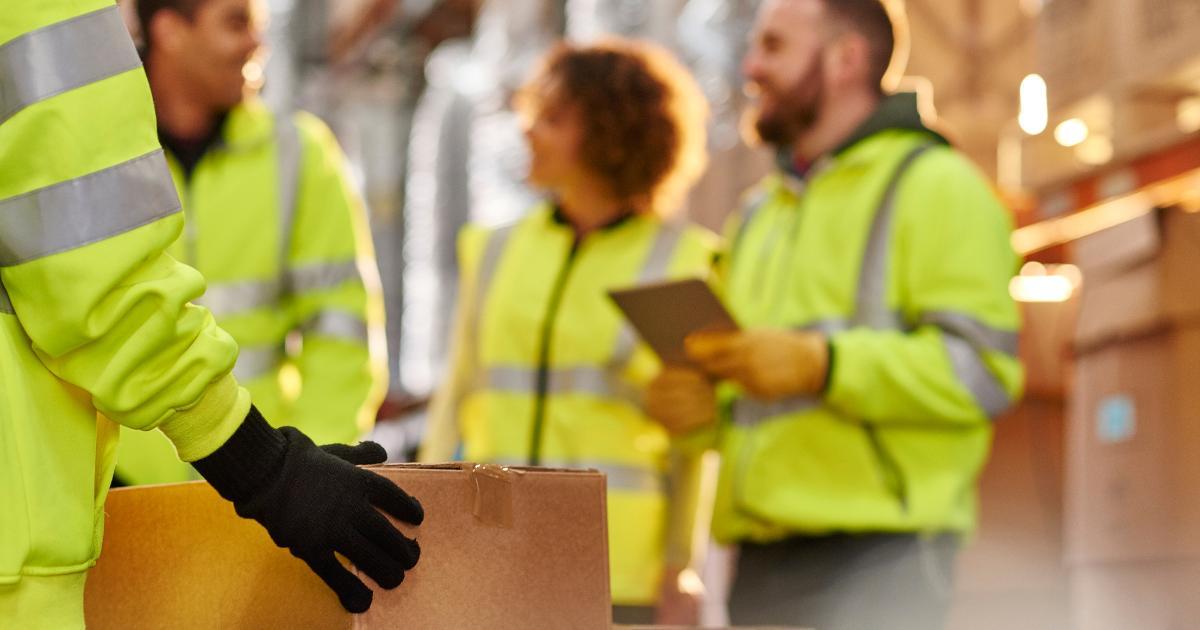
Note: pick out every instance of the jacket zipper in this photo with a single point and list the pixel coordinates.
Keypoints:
(543, 365)
(889, 468)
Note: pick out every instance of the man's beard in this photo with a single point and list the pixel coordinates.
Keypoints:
(796, 109)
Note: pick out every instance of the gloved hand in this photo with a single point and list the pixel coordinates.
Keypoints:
(682, 400)
(315, 502)
(768, 363)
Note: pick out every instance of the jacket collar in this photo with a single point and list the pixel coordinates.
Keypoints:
(895, 112)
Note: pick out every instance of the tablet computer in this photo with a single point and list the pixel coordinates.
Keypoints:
(665, 313)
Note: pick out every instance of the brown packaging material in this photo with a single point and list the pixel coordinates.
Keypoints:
(1133, 475)
(1159, 594)
(501, 548)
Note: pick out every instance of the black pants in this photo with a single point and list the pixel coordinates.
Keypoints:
(846, 582)
(633, 615)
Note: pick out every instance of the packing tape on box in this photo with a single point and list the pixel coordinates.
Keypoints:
(493, 493)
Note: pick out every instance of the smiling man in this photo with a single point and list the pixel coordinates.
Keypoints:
(273, 223)
(870, 273)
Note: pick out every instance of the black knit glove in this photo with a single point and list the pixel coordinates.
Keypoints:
(315, 502)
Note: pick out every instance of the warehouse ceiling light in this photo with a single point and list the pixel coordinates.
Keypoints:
(1187, 114)
(1095, 151)
(1071, 132)
(1032, 8)
(1035, 107)
(1039, 283)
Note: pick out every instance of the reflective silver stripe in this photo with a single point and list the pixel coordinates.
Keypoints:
(287, 164)
(964, 338)
(581, 379)
(87, 209)
(621, 477)
(322, 276)
(749, 411)
(493, 250)
(228, 298)
(253, 362)
(5, 303)
(827, 326)
(63, 56)
(287, 156)
(655, 267)
(871, 308)
(974, 374)
(980, 335)
(338, 325)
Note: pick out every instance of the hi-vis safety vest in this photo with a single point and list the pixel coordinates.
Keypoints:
(274, 224)
(548, 373)
(898, 250)
(93, 315)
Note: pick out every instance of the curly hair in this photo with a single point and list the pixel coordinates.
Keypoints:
(643, 116)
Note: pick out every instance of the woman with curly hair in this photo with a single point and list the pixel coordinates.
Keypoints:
(544, 371)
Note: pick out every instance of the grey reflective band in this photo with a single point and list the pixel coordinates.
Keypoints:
(228, 298)
(749, 411)
(870, 309)
(964, 338)
(287, 164)
(620, 477)
(63, 56)
(253, 362)
(86, 209)
(5, 304)
(827, 327)
(580, 379)
(980, 335)
(493, 250)
(630, 478)
(655, 267)
(489, 261)
(661, 251)
(337, 325)
(974, 374)
(322, 276)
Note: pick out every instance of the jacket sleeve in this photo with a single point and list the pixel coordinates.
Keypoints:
(336, 297)
(87, 209)
(951, 266)
(442, 436)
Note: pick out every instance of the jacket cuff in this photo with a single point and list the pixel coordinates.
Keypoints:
(199, 429)
(251, 455)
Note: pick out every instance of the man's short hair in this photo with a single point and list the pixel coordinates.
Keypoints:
(872, 20)
(147, 9)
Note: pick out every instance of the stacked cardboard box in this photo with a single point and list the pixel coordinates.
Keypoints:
(1133, 465)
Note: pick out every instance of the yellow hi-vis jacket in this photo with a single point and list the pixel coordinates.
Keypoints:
(545, 371)
(94, 317)
(897, 248)
(274, 224)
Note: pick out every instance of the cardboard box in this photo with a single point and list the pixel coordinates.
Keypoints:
(501, 548)
(1152, 595)
(1133, 475)
(1132, 515)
